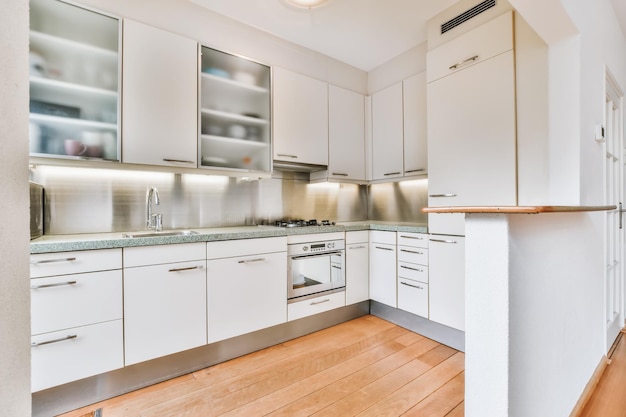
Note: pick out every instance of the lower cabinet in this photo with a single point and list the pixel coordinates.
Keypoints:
(413, 296)
(383, 267)
(316, 305)
(357, 267)
(413, 273)
(447, 280)
(164, 304)
(246, 286)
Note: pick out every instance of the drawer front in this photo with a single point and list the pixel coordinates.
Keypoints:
(315, 305)
(413, 297)
(378, 236)
(360, 236)
(413, 271)
(477, 45)
(63, 263)
(70, 301)
(155, 255)
(417, 240)
(413, 255)
(245, 247)
(76, 353)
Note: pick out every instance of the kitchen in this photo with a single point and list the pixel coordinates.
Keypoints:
(561, 178)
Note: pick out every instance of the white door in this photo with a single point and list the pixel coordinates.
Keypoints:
(614, 290)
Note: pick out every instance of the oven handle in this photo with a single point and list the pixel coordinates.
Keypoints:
(340, 253)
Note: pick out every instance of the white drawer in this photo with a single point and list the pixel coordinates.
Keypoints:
(413, 255)
(315, 305)
(76, 353)
(413, 271)
(360, 236)
(63, 263)
(413, 297)
(477, 45)
(379, 236)
(154, 255)
(418, 240)
(245, 247)
(75, 300)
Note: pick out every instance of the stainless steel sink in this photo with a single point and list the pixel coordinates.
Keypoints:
(160, 234)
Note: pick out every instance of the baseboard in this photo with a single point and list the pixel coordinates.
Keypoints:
(590, 387)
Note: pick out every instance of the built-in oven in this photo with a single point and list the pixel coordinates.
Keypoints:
(315, 267)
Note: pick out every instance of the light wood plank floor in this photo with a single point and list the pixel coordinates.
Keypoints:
(364, 367)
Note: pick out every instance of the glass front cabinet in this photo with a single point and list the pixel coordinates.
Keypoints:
(74, 82)
(235, 128)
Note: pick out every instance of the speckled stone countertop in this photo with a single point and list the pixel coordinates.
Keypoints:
(66, 243)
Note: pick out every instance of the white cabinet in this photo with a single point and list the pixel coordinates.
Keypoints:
(447, 280)
(346, 136)
(247, 286)
(357, 267)
(413, 273)
(160, 97)
(471, 122)
(300, 115)
(316, 305)
(76, 316)
(164, 300)
(414, 122)
(387, 133)
(383, 267)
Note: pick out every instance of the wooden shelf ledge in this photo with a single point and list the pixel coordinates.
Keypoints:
(516, 209)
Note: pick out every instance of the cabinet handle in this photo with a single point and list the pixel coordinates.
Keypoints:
(392, 173)
(336, 267)
(245, 261)
(287, 155)
(410, 285)
(340, 174)
(49, 261)
(411, 251)
(61, 339)
(412, 269)
(178, 160)
(465, 61)
(378, 247)
(314, 303)
(442, 195)
(189, 268)
(357, 247)
(60, 284)
(415, 170)
(412, 237)
(444, 241)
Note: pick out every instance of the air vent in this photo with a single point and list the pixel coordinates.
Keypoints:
(467, 15)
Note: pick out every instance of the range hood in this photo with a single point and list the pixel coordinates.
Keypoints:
(297, 167)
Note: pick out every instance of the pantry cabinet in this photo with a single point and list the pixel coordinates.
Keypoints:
(160, 97)
(383, 277)
(387, 133)
(446, 279)
(414, 124)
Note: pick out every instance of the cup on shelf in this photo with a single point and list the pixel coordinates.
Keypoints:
(93, 142)
(74, 147)
(237, 131)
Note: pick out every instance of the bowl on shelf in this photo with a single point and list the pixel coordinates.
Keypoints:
(217, 72)
(244, 78)
(237, 131)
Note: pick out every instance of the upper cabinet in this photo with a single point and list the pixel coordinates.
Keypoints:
(300, 118)
(415, 132)
(235, 128)
(160, 97)
(74, 82)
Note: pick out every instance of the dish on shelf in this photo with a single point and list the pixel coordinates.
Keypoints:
(217, 72)
(237, 131)
(54, 109)
(214, 161)
(244, 78)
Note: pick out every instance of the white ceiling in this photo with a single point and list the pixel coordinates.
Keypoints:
(362, 33)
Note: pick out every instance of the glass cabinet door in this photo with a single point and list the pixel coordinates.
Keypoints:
(74, 82)
(235, 107)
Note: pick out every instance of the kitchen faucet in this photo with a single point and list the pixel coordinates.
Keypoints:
(154, 221)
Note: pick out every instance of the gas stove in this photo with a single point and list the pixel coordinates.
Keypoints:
(302, 223)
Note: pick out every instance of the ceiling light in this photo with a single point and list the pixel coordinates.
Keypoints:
(306, 4)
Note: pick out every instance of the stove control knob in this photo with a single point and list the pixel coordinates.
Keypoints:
(305, 248)
(331, 245)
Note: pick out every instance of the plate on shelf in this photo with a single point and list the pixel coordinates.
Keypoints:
(214, 161)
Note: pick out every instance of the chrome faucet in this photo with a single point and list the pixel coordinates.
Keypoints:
(154, 221)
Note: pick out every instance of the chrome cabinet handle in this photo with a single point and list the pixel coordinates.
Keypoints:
(60, 284)
(246, 261)
(444, 241)
(178, 160)
(415, 170)
(392, 173)
(410, 285)
(287, 155)
(336, 267)
(47, 342)
(49, 261)
(412, 269)
(465, 61)
(340, 174)
(411, 251)
(412, 237)
(442, 195)
(378, 247)
(189, 268)
(357, 247)
(314, 303)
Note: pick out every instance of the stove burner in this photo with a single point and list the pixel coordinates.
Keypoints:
(301, 223)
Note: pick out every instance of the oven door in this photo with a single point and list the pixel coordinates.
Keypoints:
(310, 274)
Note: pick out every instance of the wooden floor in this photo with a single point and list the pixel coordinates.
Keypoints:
(364, 367)
(609, 397)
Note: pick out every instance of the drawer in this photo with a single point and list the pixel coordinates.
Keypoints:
(379, 236)
(75, 300)
(417, 240)
(413, 297)
(76, 353)
(316, 305)
(361, 236)
(63, 263)
(413, 255)
(413, 271)
(477, 45)
(154, 255)
(245, 247)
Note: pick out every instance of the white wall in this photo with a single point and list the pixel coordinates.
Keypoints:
(14, 238)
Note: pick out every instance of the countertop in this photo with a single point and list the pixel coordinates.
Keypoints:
(516, 209)
(66, 243)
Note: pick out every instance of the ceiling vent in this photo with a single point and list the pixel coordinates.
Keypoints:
(467, 15)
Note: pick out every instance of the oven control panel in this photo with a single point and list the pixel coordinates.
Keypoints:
(316, 247)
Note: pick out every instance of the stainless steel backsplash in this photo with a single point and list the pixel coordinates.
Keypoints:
(87, 200)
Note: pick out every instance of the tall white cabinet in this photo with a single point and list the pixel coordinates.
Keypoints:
(387, 133)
